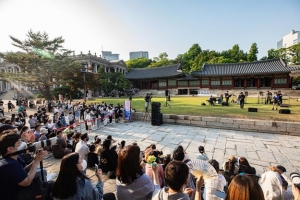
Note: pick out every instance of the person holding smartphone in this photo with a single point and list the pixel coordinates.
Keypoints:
(71, 183)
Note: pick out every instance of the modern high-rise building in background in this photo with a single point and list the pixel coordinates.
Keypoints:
(108, 55)
(289, 40)
(138, 54)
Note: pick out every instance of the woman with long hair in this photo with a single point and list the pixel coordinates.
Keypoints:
(71, 183)
(245, 167)
(243, 187)
(132, 182)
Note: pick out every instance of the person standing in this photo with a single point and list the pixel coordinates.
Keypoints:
(242, 100)
(226, 97)
(275, 101)
(269, 97)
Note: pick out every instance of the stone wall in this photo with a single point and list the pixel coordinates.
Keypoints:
(279, 127)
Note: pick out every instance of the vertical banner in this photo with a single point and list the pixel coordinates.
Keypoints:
(127, 109)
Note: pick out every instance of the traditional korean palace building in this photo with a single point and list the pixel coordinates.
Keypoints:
(267, 74)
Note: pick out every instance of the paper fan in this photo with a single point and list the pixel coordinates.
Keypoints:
(202, 168)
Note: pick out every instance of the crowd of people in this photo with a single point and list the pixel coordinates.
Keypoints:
(139, 173)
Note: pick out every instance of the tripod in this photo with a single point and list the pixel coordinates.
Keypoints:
(167, 104)
(146, 114)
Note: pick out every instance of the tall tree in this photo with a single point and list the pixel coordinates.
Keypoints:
(252, 55)
(272, 54)
(237, 55)
(190, 56)
(43, 62)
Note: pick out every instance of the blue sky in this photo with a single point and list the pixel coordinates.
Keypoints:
(156, 26)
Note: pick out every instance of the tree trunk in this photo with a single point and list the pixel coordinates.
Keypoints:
(47, 92)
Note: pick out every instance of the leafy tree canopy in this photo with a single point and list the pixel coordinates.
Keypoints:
(161, 60)
(138, 63)
(41, 71)
(252, 55)
(112, 81)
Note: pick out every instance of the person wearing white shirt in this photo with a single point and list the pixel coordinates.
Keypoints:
(212, 185)
(50, 125)
(81, 147)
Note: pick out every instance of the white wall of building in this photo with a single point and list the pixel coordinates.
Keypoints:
(289, 40)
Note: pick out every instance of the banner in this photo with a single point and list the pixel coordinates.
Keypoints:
(127, 110)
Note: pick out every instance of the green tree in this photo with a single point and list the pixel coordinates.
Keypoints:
(161, 60)
(272, 54)
(237, 55)
(43, 68)
(112, 81)
(189, 58)
(252, 55)
(138, 63)
(294, 52)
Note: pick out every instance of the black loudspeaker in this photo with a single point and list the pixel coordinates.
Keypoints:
(285, 111)
(252, 109)
(225, 104)
(156, 115)
(166, 92)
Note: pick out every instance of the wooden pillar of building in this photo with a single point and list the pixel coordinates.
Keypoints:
(288, 81)
(232, 83)
(272, 82)
(167, 84)
(209, 84)
(258, 82)
(200, 82)
(245, 82)
(221, 84)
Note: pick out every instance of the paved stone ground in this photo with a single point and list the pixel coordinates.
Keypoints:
(261, 149)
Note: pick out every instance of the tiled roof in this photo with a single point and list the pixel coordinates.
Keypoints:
(274, 66)
(156, 72)
(294, 67)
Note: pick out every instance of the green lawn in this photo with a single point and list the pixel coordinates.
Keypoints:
(192, 106)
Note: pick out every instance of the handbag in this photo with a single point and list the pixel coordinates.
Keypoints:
(89, 123)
